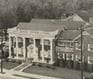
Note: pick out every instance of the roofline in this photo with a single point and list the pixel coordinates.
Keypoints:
(80, 36)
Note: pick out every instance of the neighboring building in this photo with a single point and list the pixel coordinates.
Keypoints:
(66, 44)
(69, 45)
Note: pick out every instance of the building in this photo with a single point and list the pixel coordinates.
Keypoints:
(69, 45)
(43, 40)
(35, 40)
(66, 44)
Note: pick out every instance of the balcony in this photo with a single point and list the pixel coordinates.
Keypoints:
(65, 49)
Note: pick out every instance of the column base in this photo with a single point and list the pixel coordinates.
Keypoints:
(51, 62)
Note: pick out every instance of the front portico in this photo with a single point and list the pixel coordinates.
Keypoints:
(34, 46)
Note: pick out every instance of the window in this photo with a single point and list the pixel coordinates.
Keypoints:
(46, 42)
(90, 60)
(90, 47)
(78, 58)
(46, 45)
(31, 40)
(78, 46)
(69, 56)
(20, 42)
(60, 43)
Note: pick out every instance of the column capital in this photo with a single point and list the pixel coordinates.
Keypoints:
(24, 37)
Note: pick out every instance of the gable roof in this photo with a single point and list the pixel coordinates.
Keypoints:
(74, 25)
(73, 22)
(69, 34)
(84, 15)
(42, 25)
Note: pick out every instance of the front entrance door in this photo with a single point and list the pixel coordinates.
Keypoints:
(39, 48)
(29, 48)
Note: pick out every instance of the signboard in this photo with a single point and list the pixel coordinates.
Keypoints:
(34, 33)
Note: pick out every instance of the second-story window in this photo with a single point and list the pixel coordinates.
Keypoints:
(78, 46)
(90, 47)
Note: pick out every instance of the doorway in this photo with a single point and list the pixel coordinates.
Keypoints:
(39, 47)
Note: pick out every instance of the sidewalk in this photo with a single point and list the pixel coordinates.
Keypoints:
(22, 75)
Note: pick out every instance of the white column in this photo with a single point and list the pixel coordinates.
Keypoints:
(24, 47)
(35, 54)
(63, 55)
(89, 60)
(17, 47)
(72, 56)
(42, 42)
(67, 58)
(51, 50)
(58, 55)
(76, 58)
(10, 47)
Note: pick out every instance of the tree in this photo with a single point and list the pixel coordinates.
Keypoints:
(3, 54)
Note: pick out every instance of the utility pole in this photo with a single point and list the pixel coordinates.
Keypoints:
(1, 55)
(81, 34)
(81, 29)
(1, 52)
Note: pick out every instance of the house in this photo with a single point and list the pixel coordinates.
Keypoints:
(71, 40)
(66, 44)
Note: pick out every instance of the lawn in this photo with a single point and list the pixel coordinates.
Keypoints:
(25, 77)
(10, 64)
(57, 72)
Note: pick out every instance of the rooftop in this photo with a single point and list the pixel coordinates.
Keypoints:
(42, 25)
(85, 14)
(74, 25)
(69, 34)
(49, 25)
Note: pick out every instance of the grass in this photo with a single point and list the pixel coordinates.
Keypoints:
(58, 72)
(9, 64)
(25, 76)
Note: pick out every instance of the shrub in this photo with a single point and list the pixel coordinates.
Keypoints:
(6, 60)
(40, 65)
(13, 61)
(18, 61)
(33, 64)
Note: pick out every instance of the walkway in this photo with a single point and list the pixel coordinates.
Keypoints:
(23, 75)
(16, 73)
(22, 66)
